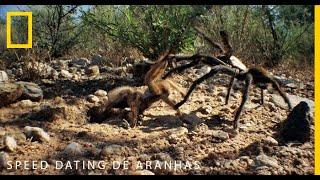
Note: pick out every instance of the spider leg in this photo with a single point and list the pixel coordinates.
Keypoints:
(245, 97)
(276, 86)
(213, 71)
(231, 84)
(181, 68)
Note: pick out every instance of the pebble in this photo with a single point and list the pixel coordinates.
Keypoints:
(73, 149)
(10, 143)
(100, 93)
(37, 134)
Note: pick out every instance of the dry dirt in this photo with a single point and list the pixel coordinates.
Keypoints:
(202, 136)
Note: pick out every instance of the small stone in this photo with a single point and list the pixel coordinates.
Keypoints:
(100, 93)
(141, 172)
(179, 131)
(264, 160)
(37, 134)
(221, 135)
(205, 110)
(104, 99)
(2, 132)
(65, 74)
(113, 149)
(73, 149)
(93, 70)
(4, 157)
(9, 93)
(10, 143)
(270, 140)
(31, 91)
(92, 98)
(3, 76)
(26, 103)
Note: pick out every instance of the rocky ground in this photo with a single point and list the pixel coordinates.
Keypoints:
(56, 131)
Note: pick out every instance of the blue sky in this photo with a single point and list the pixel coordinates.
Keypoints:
(5, 8)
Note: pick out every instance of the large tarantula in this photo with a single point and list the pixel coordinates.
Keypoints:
(256, 76)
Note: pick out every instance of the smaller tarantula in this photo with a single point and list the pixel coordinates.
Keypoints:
(256, 76)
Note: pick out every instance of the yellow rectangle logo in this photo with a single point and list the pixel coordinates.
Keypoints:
(9, 38)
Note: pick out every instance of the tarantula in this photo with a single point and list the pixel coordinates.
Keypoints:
(256, 76)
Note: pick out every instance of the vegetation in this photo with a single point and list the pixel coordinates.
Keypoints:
(260, 34)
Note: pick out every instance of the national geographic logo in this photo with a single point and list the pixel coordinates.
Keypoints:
(9, 36)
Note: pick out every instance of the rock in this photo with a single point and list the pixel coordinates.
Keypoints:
(3, 76)
(9, 72)
(203, 70)
(93, 70)
(221, 135)
(110, 150)
(104, 99)
(20, 137)
(4, 158)
(297, 125)
(9, 93)
(93, 99)
(291, 85)
(82, 62)
(60, 64)
(42, 69)
(73, 149)
(249, 106)
(10, 143)
(236, 62)
(26, 103)
(31, 91)
(295, 100)
(100, 93)
(97, 59)
(65, 74)
(37, 134)
(180, 131)
(2, 132)
(205, 110)
(282, 80)
(73, 70)
(141, 172)
(270, 140)
(264, 160)
(201, 128)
